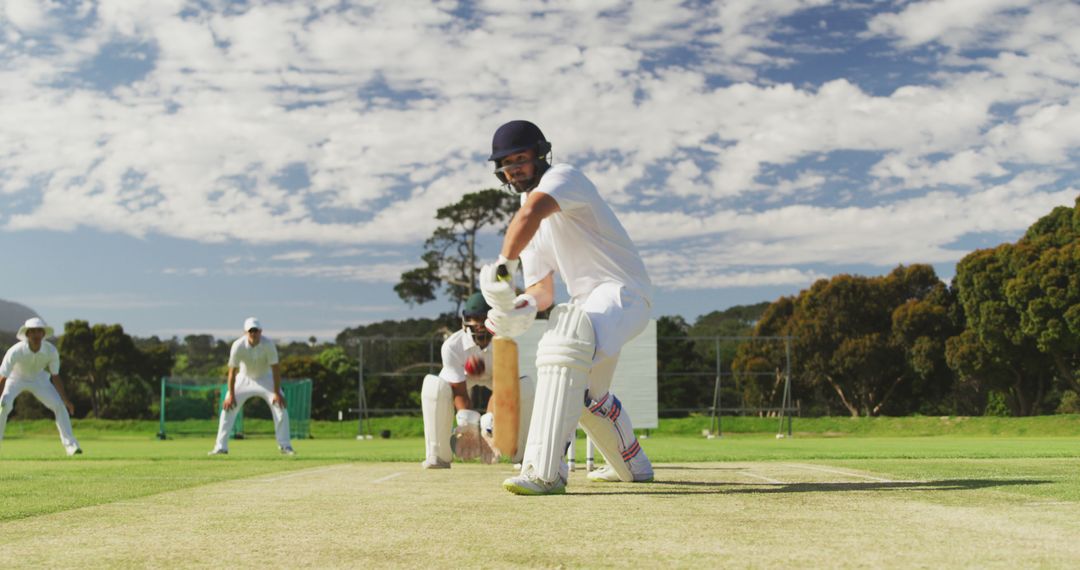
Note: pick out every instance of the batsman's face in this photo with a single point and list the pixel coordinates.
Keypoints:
(254, 336)
(519, 169)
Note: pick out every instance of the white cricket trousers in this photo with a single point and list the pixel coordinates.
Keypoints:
(244, 389)
(42, 388)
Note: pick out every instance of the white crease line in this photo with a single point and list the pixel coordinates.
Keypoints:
(763, 478)
(299, 473)
(838, 472)
(388, 477)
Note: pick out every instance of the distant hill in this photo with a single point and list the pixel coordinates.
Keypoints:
(13, 315)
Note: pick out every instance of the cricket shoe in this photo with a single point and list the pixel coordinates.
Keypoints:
(219, 452)
(607, 474)
(287, 451)
(522, 485)
(74, 451)
(435, 463)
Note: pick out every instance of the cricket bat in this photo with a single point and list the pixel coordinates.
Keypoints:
(506, 388)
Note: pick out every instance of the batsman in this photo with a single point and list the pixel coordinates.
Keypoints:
(565, 227)
(467, 362)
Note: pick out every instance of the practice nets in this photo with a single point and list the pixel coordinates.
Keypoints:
(192, 406)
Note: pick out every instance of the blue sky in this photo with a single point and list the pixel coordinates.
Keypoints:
(177, 166)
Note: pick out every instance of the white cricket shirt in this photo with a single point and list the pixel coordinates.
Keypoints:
(21, 363)
(455, 351)
(253, 361)
(584, 241)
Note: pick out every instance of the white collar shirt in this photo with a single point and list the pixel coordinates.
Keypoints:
(584, 241)
(254, 362)
(455, 351)
(21, 363)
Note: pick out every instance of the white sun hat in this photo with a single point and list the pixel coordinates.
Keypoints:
(251, 323)
(34, 323)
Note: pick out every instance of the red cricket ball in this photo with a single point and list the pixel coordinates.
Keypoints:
(474, 365)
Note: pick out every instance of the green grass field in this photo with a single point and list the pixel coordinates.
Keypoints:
(744, 500)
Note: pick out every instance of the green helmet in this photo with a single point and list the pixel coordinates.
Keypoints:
(475, 306)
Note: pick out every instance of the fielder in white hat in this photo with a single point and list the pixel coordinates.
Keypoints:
(253, 371)
(33, 365)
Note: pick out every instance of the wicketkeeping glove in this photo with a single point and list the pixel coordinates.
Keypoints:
(468, 418)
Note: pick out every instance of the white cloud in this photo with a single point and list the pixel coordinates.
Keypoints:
(195, 149)
(101, 301)
(366, 273)
(300, 255)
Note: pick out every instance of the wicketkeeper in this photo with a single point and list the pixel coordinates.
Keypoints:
(33, 365)
(253, 372)
(564, 226)
(466, 360)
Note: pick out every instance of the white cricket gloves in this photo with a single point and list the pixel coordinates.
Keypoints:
(510, 315)
(498, 294)
(515, 322)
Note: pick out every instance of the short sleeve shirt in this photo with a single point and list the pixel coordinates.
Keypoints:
(455, 351)
(583, 241)
(254, 362)
(21, 363)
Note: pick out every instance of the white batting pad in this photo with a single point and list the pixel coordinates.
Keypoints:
(563, 360)
(437, 402)
(612, 433)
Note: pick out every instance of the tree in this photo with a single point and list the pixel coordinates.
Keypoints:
(333, 376)
(859, 341)
(1021, 309)
(94, 356)
(449, 258)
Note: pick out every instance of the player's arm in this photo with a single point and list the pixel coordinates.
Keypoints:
(526, 221)
(3, 381)
(59, 385)
(230, 390)
(461, 396)
(543, 291)
(279, 398)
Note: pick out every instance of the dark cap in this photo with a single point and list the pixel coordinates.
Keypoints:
(518, 136)
(475, 306)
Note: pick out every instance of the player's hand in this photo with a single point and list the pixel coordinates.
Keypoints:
(498, 293)
(279, 400)
(229, 401)
(516, 321)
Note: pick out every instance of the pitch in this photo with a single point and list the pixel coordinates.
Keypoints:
(343, 504)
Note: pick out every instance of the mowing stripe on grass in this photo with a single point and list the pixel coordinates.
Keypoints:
(300, 472)
(768, 480)
(839, 472)
(388, 477)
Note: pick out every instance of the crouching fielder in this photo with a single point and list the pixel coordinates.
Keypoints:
(33, 365)
(466, 359)
(564, 226)
(253, 371)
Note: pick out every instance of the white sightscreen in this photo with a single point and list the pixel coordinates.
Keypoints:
(635, 376)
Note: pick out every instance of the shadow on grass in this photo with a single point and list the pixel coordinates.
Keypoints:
(731, 488)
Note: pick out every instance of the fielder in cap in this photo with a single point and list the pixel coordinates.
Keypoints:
(466, 359)
(253, 371)
(565, 227)
(33, 365)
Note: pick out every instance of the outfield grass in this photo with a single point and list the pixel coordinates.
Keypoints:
(970, 500)
(1061, 425)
